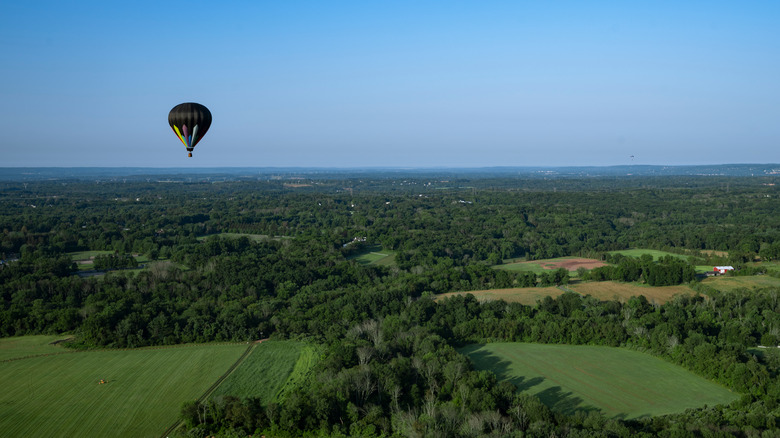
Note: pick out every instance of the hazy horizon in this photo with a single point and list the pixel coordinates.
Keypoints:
(402, 85)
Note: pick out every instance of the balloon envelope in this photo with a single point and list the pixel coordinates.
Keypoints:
(190, 121)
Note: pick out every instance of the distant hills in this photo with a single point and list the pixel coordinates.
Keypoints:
(135, 173)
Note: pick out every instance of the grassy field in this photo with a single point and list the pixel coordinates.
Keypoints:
(727, 284)
(83, 259)
(611, 290)
(618, 382)
(375, 255)
(24, 346)
(524, 295)
(638, 252)
(59, 395)
(539, 266)
(267, 371)
(602, 290)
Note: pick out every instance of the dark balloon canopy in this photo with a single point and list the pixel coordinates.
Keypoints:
(190, 121)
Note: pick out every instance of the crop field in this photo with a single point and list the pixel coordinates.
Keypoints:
(571, 264)
(24, 346)
(612, 290)
(524, 295)
(376, 255)
(727, 284)
(618, 382)
(59, 395)
(267, 371)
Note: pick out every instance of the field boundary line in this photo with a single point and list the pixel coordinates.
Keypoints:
(215, 385)
(41, 355)
(567, 289)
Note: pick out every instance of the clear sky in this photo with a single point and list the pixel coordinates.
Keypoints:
(395, 83)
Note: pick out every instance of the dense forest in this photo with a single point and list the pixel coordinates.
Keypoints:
(389, 363)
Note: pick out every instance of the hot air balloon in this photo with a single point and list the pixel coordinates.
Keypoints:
(190, 121)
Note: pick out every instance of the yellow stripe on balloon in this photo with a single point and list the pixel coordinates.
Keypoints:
(178, 134)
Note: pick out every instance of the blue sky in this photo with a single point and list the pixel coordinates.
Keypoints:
(402, 83)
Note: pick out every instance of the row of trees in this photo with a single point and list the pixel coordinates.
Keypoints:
(667, 271)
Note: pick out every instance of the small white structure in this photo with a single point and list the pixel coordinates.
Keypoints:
(723, 269)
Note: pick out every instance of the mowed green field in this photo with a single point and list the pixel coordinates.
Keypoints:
(376, 255)
(271, 367)
(59, 395)
(618, 382)
(24, 346)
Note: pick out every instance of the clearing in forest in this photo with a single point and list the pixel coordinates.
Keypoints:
(272, 368)
(571, 264)
(618, 382)
(375, 255)
(614, 290)
(528, 296)
(60, 394)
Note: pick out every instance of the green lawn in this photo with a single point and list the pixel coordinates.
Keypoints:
(59, 395)
(532, 266)
(620, 383)
(265, 373)
(375, 255)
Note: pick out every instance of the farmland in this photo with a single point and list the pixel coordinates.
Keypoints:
(618, 382)
(528, 296)
(59, 395)
(601, 290)
(265, 373)
(728, 283)
(612, 290)
(571, 264)
(24, 346)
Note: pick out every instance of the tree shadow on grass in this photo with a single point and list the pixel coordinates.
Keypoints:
(485, 360)
(555, 397)
(565, 402)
